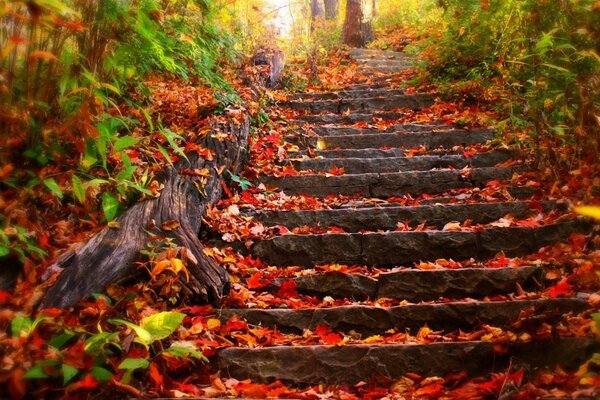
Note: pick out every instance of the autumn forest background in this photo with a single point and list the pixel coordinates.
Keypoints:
(98, 97)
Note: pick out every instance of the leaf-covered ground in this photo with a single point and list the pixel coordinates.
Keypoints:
(139, 339)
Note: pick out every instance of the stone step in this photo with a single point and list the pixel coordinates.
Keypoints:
(405, 248)
(430, 140)
(371, 320)
(347, 94)
(362, 153)
(417, 285)
(346, 119)
(372, 53)
(430, 285)
(387, 218)
(338, 131)
(364, 86)
(385, 68)
(412, 101)
(398, 164)
(374, 62)
(352, 364)
(391, 184)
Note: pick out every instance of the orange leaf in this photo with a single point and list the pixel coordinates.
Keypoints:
(155, 374)
(42, 55)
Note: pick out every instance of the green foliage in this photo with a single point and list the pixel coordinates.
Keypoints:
(541, 58)
(155, 327)
(67, 67)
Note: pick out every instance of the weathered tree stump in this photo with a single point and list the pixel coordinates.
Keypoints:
(274, 60)
(109, 255)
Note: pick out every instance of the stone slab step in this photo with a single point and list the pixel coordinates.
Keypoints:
(398, 164)
(412, 101)
(361, 153)
(417, 285)
(430, 285)
(352, 364)
(388, 69)
(387, 218)
(431, 140)
(338, 131)
(405, 248)
(391, 184)
(347, 94)
(373, 53)
(374, 62)
(347, 119)
(369, 320)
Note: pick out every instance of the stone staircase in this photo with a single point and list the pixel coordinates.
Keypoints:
(379, 164)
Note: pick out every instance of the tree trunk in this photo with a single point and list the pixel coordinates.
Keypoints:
(331, 9)
(352, 34)
(316, 10)
(109, 256)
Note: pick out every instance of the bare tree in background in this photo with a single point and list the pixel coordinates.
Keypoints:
(331, 9)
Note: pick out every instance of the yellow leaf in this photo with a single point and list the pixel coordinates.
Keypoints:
(178, 266)
(213, 324)
(373, 339)
(588, 211)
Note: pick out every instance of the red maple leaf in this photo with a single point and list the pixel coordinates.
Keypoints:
(562, 288)
(288, 289)
(257, 281)
(327, 335)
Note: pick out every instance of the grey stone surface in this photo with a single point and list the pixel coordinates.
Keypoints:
(395, 164)
(411, 101)
(348, 94)
(383, 185)
(354, 363)
(387, 218)
(429, 285)
(348, 119)
(335, 284)
(328, 130)
(358, 54)
(404, 248)
(368, 320)
(446, 139)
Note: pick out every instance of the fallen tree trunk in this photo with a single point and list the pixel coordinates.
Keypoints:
(109, 255)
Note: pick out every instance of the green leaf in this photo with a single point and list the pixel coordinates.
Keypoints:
(134, 363)
(36, 372)
(78, 189)
(185, 349)
(59, 341)
(4, 251)
(162, 324)
(110, 205)
(126, 174)
(244, 183)
(68, 373)
(20, 326)
(94, 344)
(124, 142)
(165, 154)
(54, 188)
(143, 335)
(101, 374)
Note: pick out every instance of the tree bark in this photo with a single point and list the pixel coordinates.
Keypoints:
(109, 255)
(331, 9)
(352, 33)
